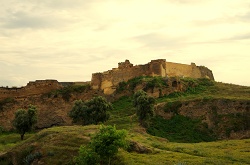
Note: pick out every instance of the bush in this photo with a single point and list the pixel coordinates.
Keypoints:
(144, 105)
(172, 107)
(103, 147)
(5, 101)
(121, 86)
(91, 112)
(31, 157)
(155, 82)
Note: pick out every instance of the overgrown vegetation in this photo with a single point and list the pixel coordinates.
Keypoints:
(92, 111)
(234, 122)
(172, 107)
(66, 92)
(148, 82)
(144, 105)
(207, 89)
(103, 147)
(180, 129)
(123, 114)
(6, 101)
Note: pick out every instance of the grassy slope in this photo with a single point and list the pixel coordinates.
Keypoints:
(58, 145)
(216, 90)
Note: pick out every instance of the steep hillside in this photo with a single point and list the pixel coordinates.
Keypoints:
(187, 110)
(220, 108)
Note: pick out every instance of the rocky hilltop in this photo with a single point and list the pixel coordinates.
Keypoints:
(205, 99)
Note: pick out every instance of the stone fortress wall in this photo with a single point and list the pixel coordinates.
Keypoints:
(107, 81)
(32, 88)
(35, 88)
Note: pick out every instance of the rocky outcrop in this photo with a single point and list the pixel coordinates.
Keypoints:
(52, 109)
(226, 118)
(136, 147)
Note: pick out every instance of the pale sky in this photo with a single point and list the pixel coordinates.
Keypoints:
(68, 40)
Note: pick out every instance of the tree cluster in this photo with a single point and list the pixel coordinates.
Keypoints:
(90, 112)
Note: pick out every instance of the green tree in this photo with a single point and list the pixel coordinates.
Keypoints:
(91, 112)
(79, 112)
(103, 147)
(25, 120)
(87, 156)
(144, 105)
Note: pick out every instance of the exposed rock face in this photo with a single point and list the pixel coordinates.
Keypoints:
(107, 81)
(51, 111)
(136, 147)
(227, 118)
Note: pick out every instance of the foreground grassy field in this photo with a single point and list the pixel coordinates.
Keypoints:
(58, 145)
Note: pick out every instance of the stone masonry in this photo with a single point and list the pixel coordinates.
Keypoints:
(107, 81)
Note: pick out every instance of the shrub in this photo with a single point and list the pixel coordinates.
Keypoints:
(144, 105)
(172, 107)
(31, 157)
(5, 101)
(91, 112)
(103, 147)
(121, 86)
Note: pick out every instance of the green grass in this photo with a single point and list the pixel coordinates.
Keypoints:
(58, 145)
(123, 114)
(207, 89)
(148, 81)
(9, 140)
(180, 129)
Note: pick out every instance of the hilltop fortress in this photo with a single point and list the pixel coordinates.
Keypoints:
(107, 81)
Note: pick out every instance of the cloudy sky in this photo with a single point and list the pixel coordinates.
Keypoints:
(68, 40)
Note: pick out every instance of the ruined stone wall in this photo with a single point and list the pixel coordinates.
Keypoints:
(107, 81)
(182, 70)
(206, 73)
(32, 88)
